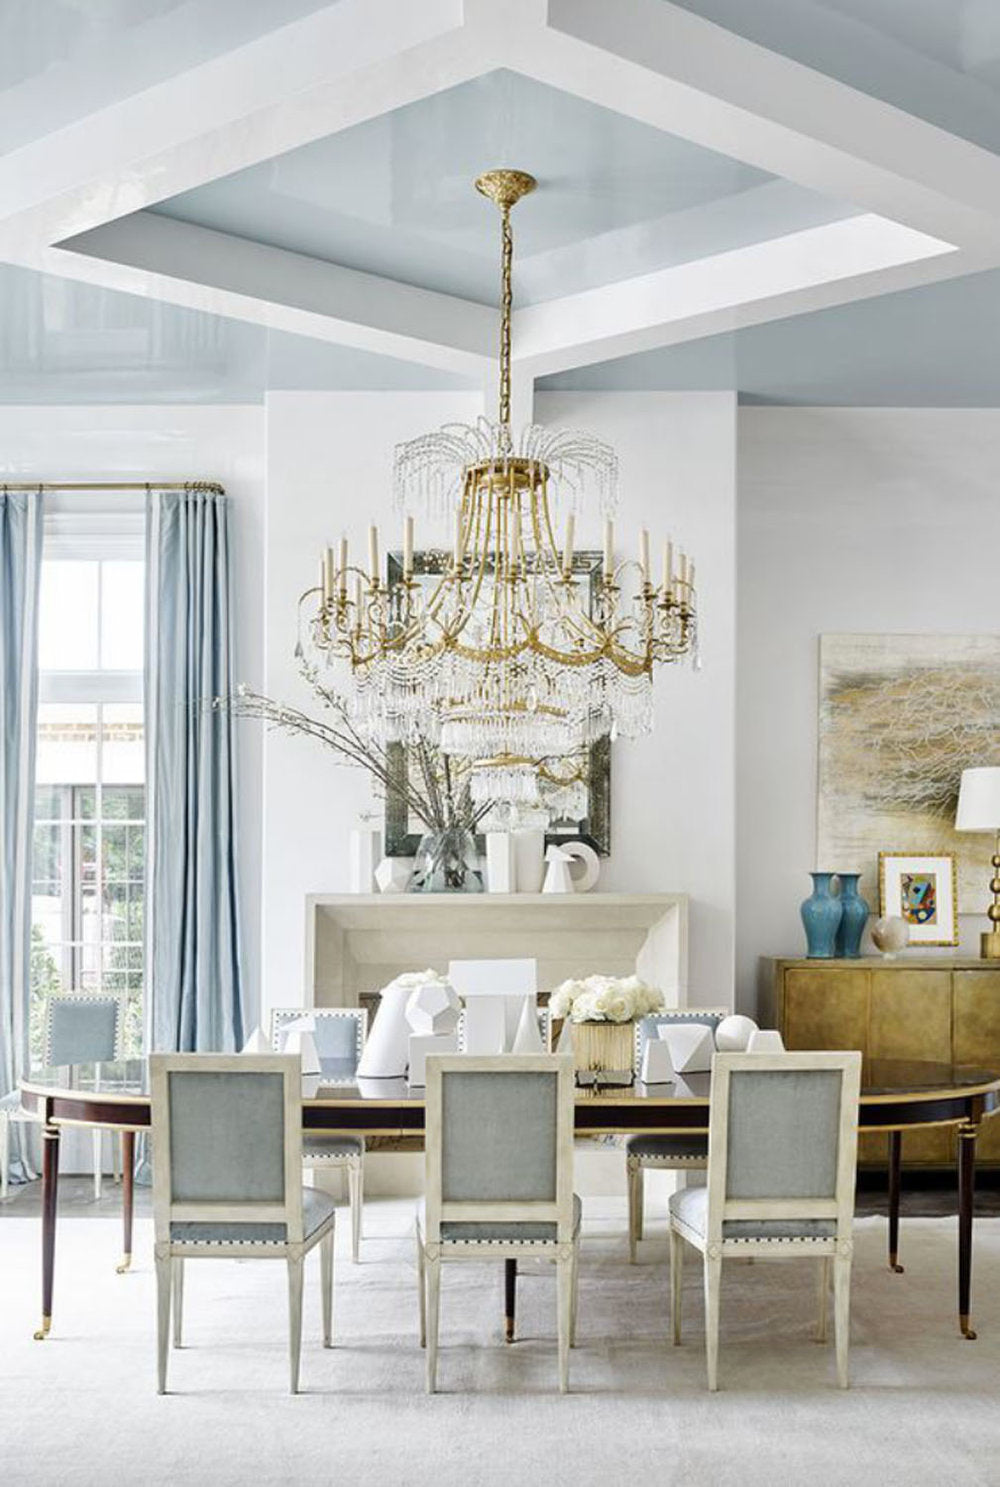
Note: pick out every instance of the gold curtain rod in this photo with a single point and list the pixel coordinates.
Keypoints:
(113, 485)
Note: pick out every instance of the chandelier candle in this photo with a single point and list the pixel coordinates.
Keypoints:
(506, 662)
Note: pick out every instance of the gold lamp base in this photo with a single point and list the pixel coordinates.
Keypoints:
(989, 945)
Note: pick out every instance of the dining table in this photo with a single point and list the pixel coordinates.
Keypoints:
(896, 1096)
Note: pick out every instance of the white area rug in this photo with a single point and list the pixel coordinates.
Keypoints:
(81, 1408)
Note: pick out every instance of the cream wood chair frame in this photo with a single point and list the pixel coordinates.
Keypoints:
(560, 1210)
(837, 1208)
(328, 1150)
(13, 1111)
(171, 1253)
(682, 1153)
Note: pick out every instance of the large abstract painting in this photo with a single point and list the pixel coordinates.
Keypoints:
(900, 717)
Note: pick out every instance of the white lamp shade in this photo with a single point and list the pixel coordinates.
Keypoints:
(979, 800)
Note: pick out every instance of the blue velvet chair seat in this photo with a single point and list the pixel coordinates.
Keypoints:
(485, 1233)
(316, 1147)
(690, 1207)
(316, 1209)
(666, 1148)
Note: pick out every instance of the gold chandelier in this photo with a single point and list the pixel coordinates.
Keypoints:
(511, 659)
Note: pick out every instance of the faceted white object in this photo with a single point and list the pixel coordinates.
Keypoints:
(393, 874)
(657, 1067)
(485, 1025)
(734, 1033)
(433, 1009)
(557, 877)
(528, 1038)
(420, 1046)
(299, 1039)
(258, 1042)
(385, 1052)
(365, 852)
(529, 859)
(766, 1040)
(691, 1046)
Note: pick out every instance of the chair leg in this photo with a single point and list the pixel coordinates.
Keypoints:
(565, 1282)
(824, 1298)
(97, 1144)
(294, 1318)
(713, 1288)
(842, 1314)
(635, 1205)
(326, 1270)
(574, 1306)
(422, 1287)
(355, 1187)
(676, 1284)
(178, 1301)
(164, 1273)
(4, 1153)
(432, 1269)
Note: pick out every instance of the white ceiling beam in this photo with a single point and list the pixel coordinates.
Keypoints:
(662, 65)
(345, 63)
(785, 276)
(202, 269)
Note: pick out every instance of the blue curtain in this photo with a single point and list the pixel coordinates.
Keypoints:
(20, 566)
(194, 985)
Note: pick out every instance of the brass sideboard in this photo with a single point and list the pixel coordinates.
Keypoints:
(912, 1007)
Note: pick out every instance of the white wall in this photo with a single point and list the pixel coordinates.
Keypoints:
(329, 469)
(223, 443)
(849, 520)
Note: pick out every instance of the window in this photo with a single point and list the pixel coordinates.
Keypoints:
(90, 796)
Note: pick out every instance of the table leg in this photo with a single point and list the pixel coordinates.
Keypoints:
(128, 1172)
(895, 1161)
(50, 1189)
(966, 1198)
(510, 1298)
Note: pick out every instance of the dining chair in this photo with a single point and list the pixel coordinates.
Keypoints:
(782, 1146)
(499, 1178)
(227, 1180)
(77, 1028)
(340, 1034)
(678, 1153)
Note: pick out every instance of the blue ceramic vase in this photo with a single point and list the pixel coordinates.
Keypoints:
(853, 917)
(821, 914)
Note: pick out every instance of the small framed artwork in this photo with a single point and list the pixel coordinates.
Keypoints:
(922, 891)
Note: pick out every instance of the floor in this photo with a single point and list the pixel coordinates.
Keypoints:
(82, 1406)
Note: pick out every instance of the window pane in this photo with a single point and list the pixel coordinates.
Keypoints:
(123, 744)
(67, 616)
(67, 743)
(122, 615)
(122, 803)
(48, 803)
(47, 856)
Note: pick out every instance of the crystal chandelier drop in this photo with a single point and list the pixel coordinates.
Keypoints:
(511, 658)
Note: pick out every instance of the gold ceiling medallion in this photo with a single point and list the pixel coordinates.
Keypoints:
(509, 660)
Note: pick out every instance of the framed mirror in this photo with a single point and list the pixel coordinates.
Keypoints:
(592, 769)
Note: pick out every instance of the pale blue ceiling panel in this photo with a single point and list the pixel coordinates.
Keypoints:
(937, 346)
(937, 59)
(62, 59)
(394, 195)
(64, 342)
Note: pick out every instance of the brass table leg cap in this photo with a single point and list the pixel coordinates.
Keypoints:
(895, 1266)
(508, 1329)
(125, 1264)
(968, 1332)
(44, 1329)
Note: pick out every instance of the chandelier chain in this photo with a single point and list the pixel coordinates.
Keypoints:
(506, 306)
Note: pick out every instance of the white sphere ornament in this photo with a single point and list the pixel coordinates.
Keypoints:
(890, 935)
(434, 1008)
(734, 1033)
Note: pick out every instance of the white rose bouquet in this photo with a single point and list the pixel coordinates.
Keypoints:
(605, 999)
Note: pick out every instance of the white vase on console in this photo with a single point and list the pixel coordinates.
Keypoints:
(529, 858)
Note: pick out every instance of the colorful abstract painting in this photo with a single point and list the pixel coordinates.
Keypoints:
(900, 717)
